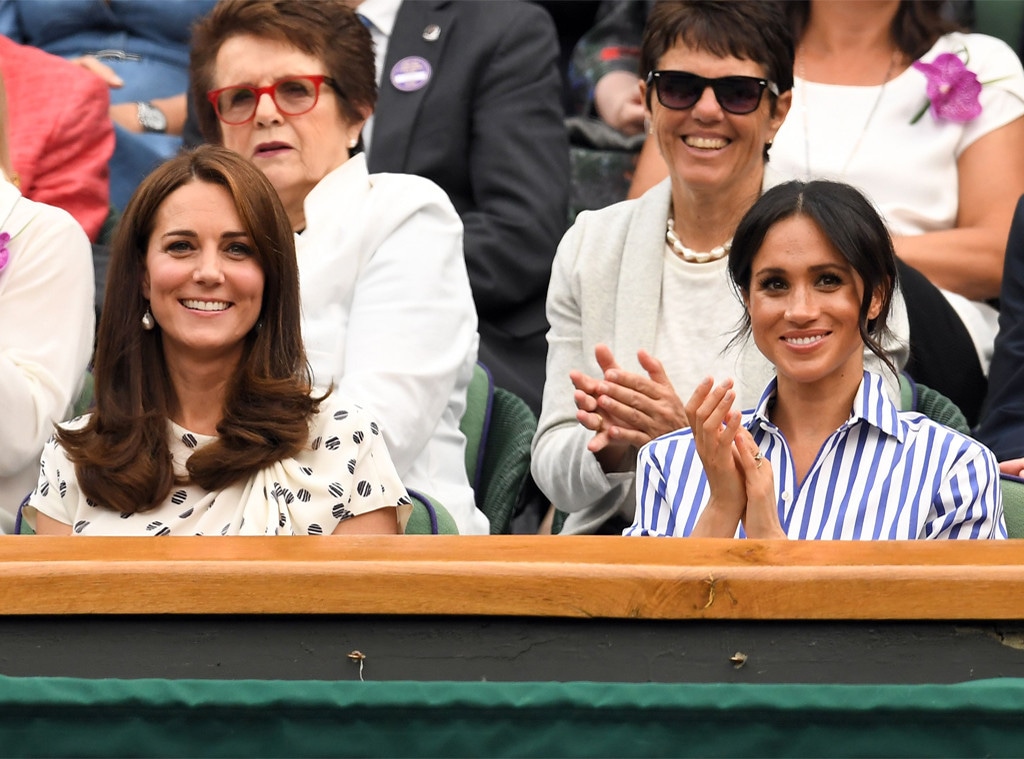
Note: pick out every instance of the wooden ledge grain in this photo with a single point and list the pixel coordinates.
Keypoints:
(584, 576)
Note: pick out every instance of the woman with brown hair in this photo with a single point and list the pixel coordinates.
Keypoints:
(205, 419)
(814, 267)
(388, 314)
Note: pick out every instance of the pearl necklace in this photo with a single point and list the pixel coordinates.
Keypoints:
(693, 256)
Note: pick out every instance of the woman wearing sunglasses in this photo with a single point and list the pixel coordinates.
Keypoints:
(946, 177)
(388, 315)
(639, 301)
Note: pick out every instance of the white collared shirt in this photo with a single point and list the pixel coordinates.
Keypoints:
(381, 15)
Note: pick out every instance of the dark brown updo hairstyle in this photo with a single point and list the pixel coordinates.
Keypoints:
(849, 222)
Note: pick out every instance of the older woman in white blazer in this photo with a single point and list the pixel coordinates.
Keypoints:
(640, 302)
(387, 309)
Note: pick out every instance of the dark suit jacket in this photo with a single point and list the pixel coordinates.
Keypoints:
(488, 128)
(1002, 423)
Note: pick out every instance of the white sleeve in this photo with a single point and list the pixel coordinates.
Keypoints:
(563, 468)
(46, 305)
(56, 494)
(1002, 93)
(412, 326)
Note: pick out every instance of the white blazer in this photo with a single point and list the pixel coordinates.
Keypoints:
(388, 318)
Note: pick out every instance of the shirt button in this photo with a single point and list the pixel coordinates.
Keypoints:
(785, 495)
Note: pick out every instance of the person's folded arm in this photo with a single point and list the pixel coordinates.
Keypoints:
(968, 259)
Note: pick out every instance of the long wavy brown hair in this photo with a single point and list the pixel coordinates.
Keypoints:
(121, 455)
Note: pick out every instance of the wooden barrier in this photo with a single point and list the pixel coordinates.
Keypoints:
(507, 608)
(605, 577)
(509, 645)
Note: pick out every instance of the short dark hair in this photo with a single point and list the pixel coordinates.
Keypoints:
(325, 29)
(121, 455)
(917, 25)
(850, 223)
(754, 30)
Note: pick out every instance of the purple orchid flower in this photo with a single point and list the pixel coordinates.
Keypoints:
(5, 254)
(952, 89)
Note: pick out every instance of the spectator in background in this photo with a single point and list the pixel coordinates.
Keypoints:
(46, 294)
(603, 70)
(863, 78)
(606, 121)
(59, 134)
(205, 420)
(136, 48)
(469, 97)
(1002, 422)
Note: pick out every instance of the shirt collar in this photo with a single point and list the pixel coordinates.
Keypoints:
(871, 404)
(380, 13)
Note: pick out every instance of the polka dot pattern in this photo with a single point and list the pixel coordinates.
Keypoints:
(343, 472)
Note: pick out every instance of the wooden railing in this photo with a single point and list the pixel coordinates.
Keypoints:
(607, 577)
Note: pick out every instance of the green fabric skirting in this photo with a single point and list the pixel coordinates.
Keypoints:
(247, 718)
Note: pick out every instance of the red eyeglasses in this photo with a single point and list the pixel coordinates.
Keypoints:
(293, 96)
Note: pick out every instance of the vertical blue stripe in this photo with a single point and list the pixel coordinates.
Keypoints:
(871, 473)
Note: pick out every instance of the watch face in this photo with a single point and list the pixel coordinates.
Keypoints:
(151, 118)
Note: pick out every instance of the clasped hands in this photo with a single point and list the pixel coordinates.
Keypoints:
(627, 410)
(742, 487)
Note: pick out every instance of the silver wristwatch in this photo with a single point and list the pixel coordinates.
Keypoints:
(151, 118)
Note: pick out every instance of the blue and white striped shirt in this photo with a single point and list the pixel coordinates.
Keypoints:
(884, 474)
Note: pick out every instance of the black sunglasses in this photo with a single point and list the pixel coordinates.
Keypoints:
(680, 90)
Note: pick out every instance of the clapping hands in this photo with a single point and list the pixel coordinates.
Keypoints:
(742, 487)
(625, 410)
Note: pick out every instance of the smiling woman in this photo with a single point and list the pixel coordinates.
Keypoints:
(388, 314)
(204, 287)
(640, 301)
(205, 420)
(815, 267)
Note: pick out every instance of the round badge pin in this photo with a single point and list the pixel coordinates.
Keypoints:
(431, 32)
(410, 74)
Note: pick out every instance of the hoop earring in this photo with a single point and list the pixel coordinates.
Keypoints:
(148, 322)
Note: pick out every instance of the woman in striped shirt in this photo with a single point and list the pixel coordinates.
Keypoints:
(825, 454)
